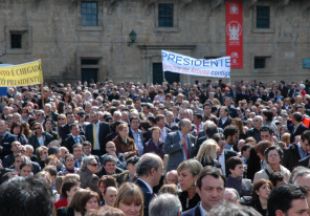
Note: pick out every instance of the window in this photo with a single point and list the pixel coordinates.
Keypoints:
(259, 62)
(165, 15)
(89, 13)
(16, 40)
(262, 17)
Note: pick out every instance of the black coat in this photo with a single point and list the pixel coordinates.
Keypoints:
(47, 137)
(148, 195)
(291, 157)
(104, 130)
(69, 142)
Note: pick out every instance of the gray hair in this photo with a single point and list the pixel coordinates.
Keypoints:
(230, 209)
(148, 162)
(165, 205)
(86, 161)
(297, 172)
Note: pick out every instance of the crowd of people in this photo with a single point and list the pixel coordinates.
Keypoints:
(209, 148)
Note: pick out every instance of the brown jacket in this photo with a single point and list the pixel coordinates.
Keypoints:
(122, 147)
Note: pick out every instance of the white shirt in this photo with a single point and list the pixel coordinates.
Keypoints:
(222, 162)
(96, 143)
(202, 210)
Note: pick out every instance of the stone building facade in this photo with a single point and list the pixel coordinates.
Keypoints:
(121, 40)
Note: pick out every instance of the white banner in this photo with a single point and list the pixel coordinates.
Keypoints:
(177, 63)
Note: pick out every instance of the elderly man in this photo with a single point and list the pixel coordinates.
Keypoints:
(179, 145)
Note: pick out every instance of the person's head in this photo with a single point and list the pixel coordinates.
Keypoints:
(305, 141)
(224, 111)
(297, 118)
(231, 134)
(37, 128)
(165, 204)
(150, 168)
(185, 125)
(16, 128)
(169, 188)
(3, 126)
(106, 181)
(232, 209)
(288, 200)
(245, 151)
(69, 187)
(171, 177)
(261, 147)
(130, 199)
(301, 177)
(155, 133)
(208, 149)
(131, 164)
(110, 147)
(87, 147)
(84, 200)
(89, 163)
(25, 196)
(108, 211)
(75, 129)
(261, 189)
(109, 164)
(25, 169)
(258, 122)
(69, 161)
(134, 122)
(231, 195)
(210, 187)
(188, 171)
(266, 133)
(109, 195)
(77, 150)
(273, 155)
(123, 130)
(235, 167)
(160, 120)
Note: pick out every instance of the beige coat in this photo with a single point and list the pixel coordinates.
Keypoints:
(263, 175)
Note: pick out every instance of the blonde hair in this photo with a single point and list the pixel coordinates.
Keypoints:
(130, 193)
(207, 149)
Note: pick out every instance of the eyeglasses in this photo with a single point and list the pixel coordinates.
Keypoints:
(93, 164)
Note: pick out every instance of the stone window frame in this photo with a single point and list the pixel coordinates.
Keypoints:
(175, 27)
(26, 33)
(271, 19)
(98, 27)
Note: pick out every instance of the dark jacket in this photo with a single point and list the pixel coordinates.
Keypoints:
(104, 130)
(5, 143)
(69, 142)
(291, 157)
(186, 202)
(150, 146)
(148, 195)
(33, 140)
(193, 211)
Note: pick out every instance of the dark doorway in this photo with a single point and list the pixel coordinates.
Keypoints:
(89, 69)
(158, 75)
(90, 75)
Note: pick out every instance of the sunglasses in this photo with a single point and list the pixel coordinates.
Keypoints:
(93, 164)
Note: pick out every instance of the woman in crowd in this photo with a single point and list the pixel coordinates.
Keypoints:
(25, 169)
(130, 200)
(261, 191)
(69, 187)
(16, 129)
(87, 173)
(49, 127)
(42, 154)
(103, 183)
(124, 144)
(273, 156)
(207, 153)
(188, 171)
(154, 144)
(69, 165)
(84, 202)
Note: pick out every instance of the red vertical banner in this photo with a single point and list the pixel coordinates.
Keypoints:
(234, 29)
